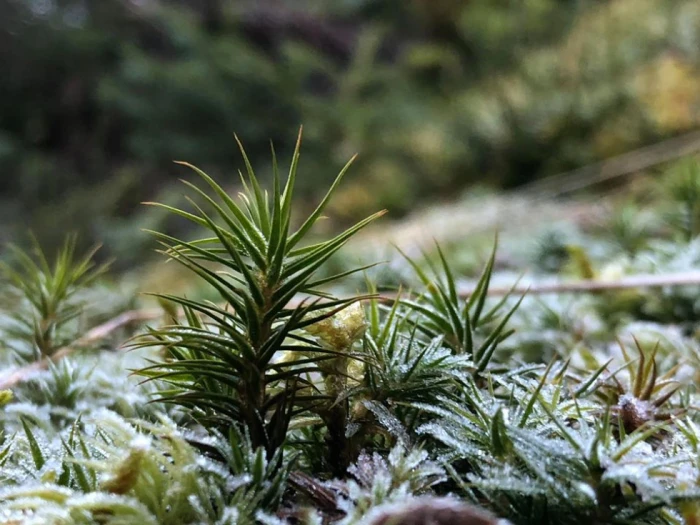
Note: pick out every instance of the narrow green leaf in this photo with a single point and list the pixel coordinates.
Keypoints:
(34, 448)
(311, 220)
(278, 235)
(482, 355)
(478, 298)
(448, 276)
(289, 186)
(261, 206)
(535, 396)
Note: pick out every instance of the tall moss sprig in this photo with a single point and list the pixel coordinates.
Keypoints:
(400, 368)
(224, 358)
(465, 324)
(41, 298)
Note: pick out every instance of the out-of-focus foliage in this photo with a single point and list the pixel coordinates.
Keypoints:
(98, 97)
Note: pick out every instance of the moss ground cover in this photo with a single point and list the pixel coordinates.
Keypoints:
(298, 386)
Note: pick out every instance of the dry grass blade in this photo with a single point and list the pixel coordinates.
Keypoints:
(593, 285)
(96, 334)
(586, 286)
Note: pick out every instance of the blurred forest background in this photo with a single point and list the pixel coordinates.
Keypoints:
(98, 97)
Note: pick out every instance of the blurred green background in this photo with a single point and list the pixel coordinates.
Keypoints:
(98, 97)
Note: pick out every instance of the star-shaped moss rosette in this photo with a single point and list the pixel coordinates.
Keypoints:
(642, 396)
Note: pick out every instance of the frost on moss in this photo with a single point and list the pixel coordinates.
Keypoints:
(282, 403)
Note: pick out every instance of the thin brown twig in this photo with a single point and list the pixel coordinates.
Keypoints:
(95, 334)
(595, 285)
(585, 286)
(582, 286)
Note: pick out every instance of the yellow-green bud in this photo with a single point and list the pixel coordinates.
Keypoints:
(5, 397)
(342, 329)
